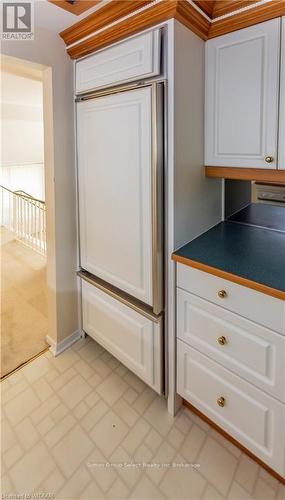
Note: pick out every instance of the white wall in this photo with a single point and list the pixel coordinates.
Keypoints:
(22, 137)
(49, 50)
(22, 120)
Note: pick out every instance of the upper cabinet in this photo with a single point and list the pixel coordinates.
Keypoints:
(130, 60)
(242, 97)
(281, 155)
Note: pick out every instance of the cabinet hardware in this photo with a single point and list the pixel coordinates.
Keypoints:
(222, 340)
(269, 159)
(222, 294)
(221, 401)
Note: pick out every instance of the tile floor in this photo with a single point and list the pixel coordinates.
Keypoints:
(23, 302)
(65, 418)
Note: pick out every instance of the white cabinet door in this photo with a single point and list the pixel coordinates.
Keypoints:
(131, 337)
(115, 196)
(130, 60)
(281, 145)
(242, 86)
(252, 417)
(247, 349)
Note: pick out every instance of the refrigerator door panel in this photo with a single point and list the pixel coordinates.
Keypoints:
(115, 180)
(131, 337)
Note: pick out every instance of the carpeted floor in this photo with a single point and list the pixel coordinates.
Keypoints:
(23, 303)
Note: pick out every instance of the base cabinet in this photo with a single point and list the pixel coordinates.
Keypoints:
(130, 336)
(249, 415)
(231, 360)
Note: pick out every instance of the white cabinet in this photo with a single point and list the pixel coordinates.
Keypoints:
(256, 306)
(130, 60)
(281, 156)
(115, 190)
(249, 415)
(231, 360)
(131, 337)
(242, 89)
(255, 353)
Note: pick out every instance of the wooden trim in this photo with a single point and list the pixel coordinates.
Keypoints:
(181, 10)
(177, 9)
(102, 17)
(207, 6)
(233, 441)
(186, 14)
(224, 7)
(76, 8)
(259, 287)
(143, 20)
(246, 174)
(256, 15)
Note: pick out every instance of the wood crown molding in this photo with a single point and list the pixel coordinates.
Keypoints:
(224, 7)
(102, 17)
(78, 7)
(205, 26)
(256, 15)
(159, 12)
(246, 174)
(181, 10)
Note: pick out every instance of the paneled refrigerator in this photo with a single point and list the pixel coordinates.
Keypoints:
(120, 153)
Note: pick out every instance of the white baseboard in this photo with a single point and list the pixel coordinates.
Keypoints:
(57, 348)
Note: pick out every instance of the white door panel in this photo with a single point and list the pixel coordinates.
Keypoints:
(242, 81)
(129, 60)
(134, 339)
(252, 417)
(281, 149)
(115, 193)
(248, 349)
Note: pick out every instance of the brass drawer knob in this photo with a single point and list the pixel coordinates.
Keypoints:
(269, 159)
(222, 294)
(221, 401)
(222, 340)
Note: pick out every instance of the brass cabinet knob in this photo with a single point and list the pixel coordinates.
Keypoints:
(222, 294)
(221, 401)
(222, 340)
(269, 159)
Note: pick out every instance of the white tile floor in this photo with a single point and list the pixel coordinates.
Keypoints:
(65, 418)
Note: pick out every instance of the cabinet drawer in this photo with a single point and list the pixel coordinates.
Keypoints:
(256, 306)
(131, 337)
(127, 61)
(249, 415)
(250, 350)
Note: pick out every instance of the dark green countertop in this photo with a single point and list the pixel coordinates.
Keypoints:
(249, 252)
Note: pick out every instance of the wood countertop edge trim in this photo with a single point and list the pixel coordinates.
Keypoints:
(246, 174)
(221, 431)
(259, 287)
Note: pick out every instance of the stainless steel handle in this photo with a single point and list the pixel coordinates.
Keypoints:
(157, 196)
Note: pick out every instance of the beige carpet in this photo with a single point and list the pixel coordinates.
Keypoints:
(23, 303)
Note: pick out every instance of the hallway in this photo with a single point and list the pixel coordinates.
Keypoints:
(23, 303)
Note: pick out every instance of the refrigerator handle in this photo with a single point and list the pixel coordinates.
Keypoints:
(157, 195)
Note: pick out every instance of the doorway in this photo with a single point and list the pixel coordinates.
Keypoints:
(24, 315)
